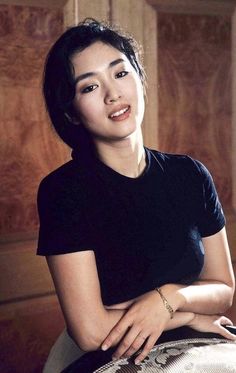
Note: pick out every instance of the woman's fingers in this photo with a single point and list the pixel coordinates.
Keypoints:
(144, 318)
(136, 345)
(225, 333)
(126, 343)
(224, 320)
(147, 348)
(220, 322)
(116, 333)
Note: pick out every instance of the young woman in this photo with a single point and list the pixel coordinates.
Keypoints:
(134, 238)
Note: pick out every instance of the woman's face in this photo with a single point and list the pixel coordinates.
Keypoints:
(109, 98)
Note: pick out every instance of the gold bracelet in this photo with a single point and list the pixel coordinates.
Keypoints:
(166, 303)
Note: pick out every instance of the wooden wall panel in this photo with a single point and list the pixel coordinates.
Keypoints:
(76, 10)
(195, 92)
(143, 26)
(20, 265)
(233, 53)
(210, 7)
(29, 148)
(150, 32)
(27, 332)
(121, 11)
(96, 9)
(30, 319)
(56, 4)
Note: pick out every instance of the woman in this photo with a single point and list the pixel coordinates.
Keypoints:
(134, 238)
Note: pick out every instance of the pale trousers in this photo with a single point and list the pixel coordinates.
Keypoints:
(63, 353)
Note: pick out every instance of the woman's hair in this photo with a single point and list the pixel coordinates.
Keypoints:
(58, 84)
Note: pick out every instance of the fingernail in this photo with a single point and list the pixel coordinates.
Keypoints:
(137, 362)
(114, 358)
(104, 347)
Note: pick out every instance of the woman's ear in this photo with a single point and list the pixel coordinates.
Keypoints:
(73, 120)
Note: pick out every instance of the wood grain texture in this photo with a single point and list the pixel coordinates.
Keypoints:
(195, 92)
(35, 3)
(70, 14)
(121, 11)
(77, 10)
(143, 26)
(27, 333)
(99, 10)
(20, 265)
(29, 148)
(151, 123)
(234, 109)
(210, 7)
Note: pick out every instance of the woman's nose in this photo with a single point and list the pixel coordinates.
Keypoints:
(112, 95)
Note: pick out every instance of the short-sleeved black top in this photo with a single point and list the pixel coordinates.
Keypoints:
(144, 231)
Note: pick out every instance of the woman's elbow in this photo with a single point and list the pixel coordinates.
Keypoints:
(228, 301)
(85, 340)
(89, 344)
(232, 292)
(231, 298)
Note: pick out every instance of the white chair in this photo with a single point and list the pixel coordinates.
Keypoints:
(200, 355)
(195, 355)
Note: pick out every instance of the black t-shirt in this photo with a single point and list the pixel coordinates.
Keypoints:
(144, 231)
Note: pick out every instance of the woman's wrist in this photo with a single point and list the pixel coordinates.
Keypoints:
(174, 296)
(165, 303)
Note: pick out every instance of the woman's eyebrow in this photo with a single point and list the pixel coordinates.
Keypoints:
(89, 74)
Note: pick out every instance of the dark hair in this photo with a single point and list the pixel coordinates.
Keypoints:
(58, 84)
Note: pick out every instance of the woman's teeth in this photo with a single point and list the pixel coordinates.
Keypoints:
(122, 111)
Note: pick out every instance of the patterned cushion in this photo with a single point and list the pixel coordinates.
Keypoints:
(200, 355)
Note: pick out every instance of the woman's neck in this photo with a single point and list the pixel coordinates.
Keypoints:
(126, 157)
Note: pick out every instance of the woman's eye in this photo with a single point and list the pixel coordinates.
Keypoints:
(89, 88)
(121, 74)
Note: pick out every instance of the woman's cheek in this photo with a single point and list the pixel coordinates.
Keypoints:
(82, 104)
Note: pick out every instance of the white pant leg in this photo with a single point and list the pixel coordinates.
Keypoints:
(63, 353)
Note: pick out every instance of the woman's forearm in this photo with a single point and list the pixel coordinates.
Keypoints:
(204, 297)
(180, 319)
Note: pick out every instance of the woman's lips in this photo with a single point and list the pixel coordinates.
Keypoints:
(120, 114)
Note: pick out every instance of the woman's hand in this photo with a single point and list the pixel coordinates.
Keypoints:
(212, 324)
(142, 324)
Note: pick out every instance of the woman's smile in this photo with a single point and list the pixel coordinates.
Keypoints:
(121, 113)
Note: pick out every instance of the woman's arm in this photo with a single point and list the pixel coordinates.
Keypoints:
(88, 321)
(77, 285)
(213, 293)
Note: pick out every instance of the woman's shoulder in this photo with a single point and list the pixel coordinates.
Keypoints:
(182, 164)
(63, 180)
